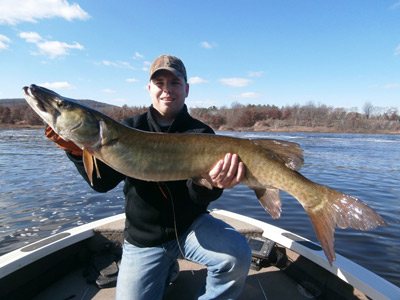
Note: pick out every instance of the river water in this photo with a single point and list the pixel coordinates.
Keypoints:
(41, 193)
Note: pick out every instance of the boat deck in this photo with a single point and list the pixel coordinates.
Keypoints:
(60, 274)
(268, 283)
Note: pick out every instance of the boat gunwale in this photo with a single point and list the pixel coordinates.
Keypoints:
(19, 258)
(357, 276)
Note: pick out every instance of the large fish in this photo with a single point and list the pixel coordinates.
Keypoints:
(271, 165)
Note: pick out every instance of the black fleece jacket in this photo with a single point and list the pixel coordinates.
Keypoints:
(151, 207)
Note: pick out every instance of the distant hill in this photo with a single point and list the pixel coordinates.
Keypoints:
(12, 101)
(17, 113)
(95, 104)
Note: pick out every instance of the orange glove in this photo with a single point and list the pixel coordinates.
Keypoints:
(68, 146)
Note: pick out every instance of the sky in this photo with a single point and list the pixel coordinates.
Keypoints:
(338, 53)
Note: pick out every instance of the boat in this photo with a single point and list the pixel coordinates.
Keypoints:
(82, 263)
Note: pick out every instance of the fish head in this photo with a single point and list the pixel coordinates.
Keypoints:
(71, 120)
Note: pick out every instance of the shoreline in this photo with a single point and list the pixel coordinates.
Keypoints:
(326, 130)
(299, 129)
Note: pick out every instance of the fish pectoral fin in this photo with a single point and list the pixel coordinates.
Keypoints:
(270, 200)
(290, 153)
(97, 167)
(202, 181)
(88, 164)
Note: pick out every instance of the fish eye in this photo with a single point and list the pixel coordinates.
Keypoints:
(61, 103)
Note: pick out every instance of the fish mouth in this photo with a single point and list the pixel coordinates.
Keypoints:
(76, 127)
(28, 92)
(38, 103)
(25, 89)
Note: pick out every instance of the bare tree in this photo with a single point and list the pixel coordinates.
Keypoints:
(368, 109)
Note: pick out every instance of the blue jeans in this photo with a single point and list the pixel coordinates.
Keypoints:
(145, 272)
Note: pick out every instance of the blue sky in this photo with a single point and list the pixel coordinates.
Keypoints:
(337, 53)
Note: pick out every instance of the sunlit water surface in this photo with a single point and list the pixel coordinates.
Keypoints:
(41, 193)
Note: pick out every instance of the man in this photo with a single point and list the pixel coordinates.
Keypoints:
(169, 220)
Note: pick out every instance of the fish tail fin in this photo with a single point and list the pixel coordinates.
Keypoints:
(341, 210)
(324, 228)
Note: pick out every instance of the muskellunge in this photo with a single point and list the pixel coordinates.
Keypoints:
(271, 165)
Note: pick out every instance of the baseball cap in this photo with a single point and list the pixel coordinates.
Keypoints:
(169, 63)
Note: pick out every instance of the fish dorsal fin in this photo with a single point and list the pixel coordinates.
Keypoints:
(291, 153)
(89, 161)
(270, 200)
(203, 182)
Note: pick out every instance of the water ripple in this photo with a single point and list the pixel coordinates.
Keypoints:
(42, 194)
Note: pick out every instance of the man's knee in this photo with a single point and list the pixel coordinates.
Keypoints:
(243, 259)
(239, 259)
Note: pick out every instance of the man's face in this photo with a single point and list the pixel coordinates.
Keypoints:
(168, 93)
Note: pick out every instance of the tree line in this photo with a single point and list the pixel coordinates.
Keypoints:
(300, 117)
(249, 117)
(20, 114)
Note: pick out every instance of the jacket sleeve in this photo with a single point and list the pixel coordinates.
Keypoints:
(109, 177)
(202, 195)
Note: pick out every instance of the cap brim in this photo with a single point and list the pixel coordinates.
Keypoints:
(172, 70)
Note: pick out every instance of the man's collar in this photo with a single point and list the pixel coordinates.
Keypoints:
(178, 119)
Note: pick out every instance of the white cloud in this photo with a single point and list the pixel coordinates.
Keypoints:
(146, 65)
(56, 48)
(131, 80)
(138, 56)
(107, 63)
(395, 5)
(49, 48)
(57, 85)
(235, 82)
(201, 103)
(392, 86)
(125, 64)
(206, 45)
(17, 11)
(255, 74)
(397, 51)
(108, 91)
(386, 86)
(30, 37)
(4, 41)
(118, 64)
(249, 95)
(197, 80)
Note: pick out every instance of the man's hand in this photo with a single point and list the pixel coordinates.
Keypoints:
(227, 172)
(67, 146)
